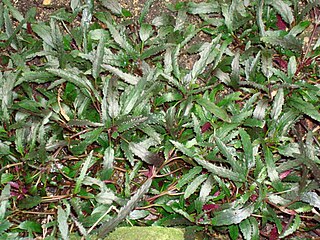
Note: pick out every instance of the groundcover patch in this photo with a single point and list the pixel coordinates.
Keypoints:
(204, 117)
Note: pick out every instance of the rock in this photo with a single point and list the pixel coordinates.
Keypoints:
(146, 233)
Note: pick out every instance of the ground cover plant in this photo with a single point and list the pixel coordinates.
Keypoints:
(104, 123)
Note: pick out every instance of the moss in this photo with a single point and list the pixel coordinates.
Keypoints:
(146, 233)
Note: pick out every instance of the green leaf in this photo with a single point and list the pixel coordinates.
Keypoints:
(312, 198)
(207, 55)
(4, 200)
(203, 7)
(4, 226)
(124, 76)
(277, 104)
(227, 153)
(292, 66)
(30, 226)
(108, 158)
(125, 210)
(232, 215)
(220, 171)
(120, 38)
(247, 148)
(260, 110)
(72, 75)
(63, 223)
(250, 229)
(283, 9)
(96, 65)
(145, 32)
(111, 98)
(189, 176)
(304, 107)
(292, 228)
(29, 202)
(140, 150)
(288, 41)
(113, 5)
(214, 109)
(44, 32)
(84, 169)
(234, 232)
(132, 95)
(145, 10)
(271, 168)
(5, 178)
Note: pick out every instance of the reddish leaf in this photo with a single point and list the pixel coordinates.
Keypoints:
(253, 197)
(205, 127)
(281, 24)
(285, 174)
(216, 194)
(210, 207)
(282, 63)
(274, 235)
(14, 185)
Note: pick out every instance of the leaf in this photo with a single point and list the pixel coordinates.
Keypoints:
(83, 123)
(44, 32)
(214, 109)
(203, 7)
(292, 228)
(299, 28)
(108, 158)
(87, 139)
(30, 226)
(29, 202)
(124, 76)
(132, 95)
(234, 232)
(266, 62)
(304, 107)
(153, 50)
(125, 210)
(73, 76)
(96, 65)
(113, 5)
(271, 167)
(277, 104)
(232, 215)
(145, 10)
(4, 200)
(283, 9)
(247, 148)
(288, 41)
(207, 56)
(120, 38)
(312, 198)
(193, 186)
(187, 177)
(220, 171)
(138, 214)
(84, 169)
(4, 226)
(292, 66)
(142, 152)
(63, 223)
(145, 32)
(206, 189)
(260, 110)
(227, 153)
(250, 229)
(112, 98)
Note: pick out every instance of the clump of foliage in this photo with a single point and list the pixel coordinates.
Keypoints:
(104, 124)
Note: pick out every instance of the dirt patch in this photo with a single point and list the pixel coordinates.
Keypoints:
(44, 7)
